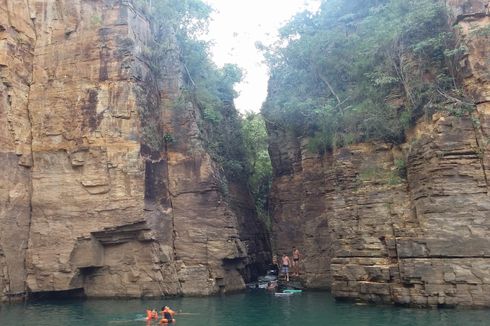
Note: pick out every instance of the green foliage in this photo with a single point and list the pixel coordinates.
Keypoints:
(481, 31)
(257, 154)
(210, 88)
(401, 168)
(226, 143)
(363, 70)
(96, 20)
(212, 115)
(168, 138)
(177, 26)
(188, 18)
(149, 106)
(372, 173)
(394, 179)
(380, 175)
(173, 23)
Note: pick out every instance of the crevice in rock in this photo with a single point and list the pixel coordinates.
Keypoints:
(475, 15)
(28, 226)
(6, 275)
(56, 295)
(395, 240)
(170, 202)
(203, 191)
(479, 131)
(30, 163)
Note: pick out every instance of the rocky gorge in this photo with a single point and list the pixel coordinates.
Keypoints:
(93, 204)
(88, 204)
(406, 224)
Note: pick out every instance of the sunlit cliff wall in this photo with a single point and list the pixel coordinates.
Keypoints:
(85, 202)
(17, 38)
(367, 233)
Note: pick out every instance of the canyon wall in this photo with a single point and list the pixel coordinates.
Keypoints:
(406, 224)
(92, 199)
(17, 38)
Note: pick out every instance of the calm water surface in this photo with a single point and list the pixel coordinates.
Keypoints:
(252, 308)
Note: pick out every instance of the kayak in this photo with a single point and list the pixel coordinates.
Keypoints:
(292, 291)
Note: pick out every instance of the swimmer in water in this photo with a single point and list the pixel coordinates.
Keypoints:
(167, 315)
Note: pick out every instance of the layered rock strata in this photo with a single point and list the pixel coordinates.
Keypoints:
(366, 232)
(88, 202)
(17, 39)
(370, 231)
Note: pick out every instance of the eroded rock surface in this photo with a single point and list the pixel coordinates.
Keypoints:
(370, 232)
(86, 200)
(17, 38)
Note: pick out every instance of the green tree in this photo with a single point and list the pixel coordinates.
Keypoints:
(177, 27)
(256, 148)
(360, 70)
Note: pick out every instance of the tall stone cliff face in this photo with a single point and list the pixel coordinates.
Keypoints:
(369, 231)
(86, 203)
(17, 39)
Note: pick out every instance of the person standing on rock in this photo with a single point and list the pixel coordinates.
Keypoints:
(285, 266)
(296, 256)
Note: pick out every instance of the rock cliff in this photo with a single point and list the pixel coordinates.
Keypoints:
(402, 224)
(87, 203)
(17, 38)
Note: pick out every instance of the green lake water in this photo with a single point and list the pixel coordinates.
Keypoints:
(251, 308)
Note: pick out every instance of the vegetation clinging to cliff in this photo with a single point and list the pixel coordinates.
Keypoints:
(256, 146)
(177, 26)
(209, 86)
(360, 70)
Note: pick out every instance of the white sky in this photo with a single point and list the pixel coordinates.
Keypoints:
(235, 28)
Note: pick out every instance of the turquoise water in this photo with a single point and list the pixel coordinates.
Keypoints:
(252, 308)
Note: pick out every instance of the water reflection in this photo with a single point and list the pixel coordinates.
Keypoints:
(252, 308)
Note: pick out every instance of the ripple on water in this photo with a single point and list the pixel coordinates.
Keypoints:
(255, 308)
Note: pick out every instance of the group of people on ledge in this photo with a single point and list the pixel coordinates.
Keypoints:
(286, 263)
(166, 314)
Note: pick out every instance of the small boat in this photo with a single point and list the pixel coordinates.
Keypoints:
(292, 291)
(282, 294)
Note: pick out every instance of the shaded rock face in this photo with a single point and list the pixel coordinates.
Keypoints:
(85, 201)
(370, 231)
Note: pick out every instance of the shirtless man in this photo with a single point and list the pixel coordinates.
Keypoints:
(296, 256)
(285, 266)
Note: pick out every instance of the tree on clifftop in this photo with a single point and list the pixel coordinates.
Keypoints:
(362, 70)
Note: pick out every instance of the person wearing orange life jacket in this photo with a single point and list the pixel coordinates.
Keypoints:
(149, 314)
(167, 315)
(154, 314)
